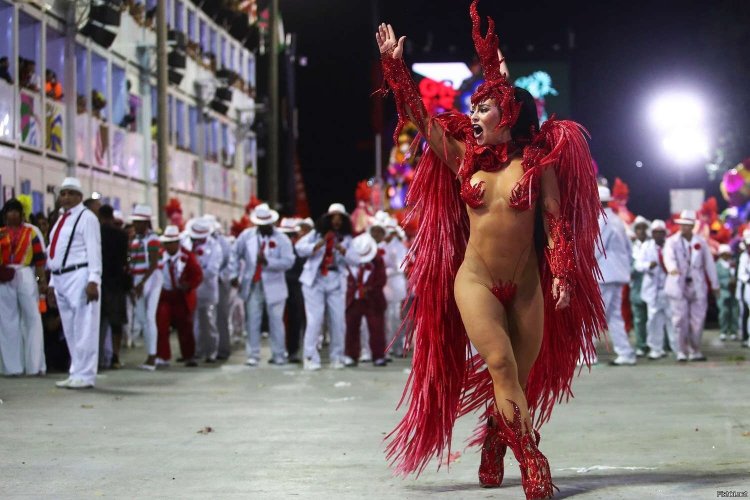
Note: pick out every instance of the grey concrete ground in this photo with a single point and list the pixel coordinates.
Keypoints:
(657, 430)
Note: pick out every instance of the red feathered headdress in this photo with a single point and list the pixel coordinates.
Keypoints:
(239, 225)
(254, 202)
(363, 192)
(496, 85)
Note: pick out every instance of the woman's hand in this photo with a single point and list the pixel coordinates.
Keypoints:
(561, 294)
(388, 43)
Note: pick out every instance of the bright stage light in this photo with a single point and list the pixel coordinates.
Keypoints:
(677, 109)
(679, 118)
(685, 145)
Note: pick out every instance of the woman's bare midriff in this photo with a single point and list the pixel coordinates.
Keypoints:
(501, 238)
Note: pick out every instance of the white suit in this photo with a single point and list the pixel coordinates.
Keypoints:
(144, 308)
(743, 291)
(615, 267)
(270, 291)
(323, 294)
(653, 294)
(225, 294)
(206, 335)
(688, 263)
(395, 292)
(80, 318)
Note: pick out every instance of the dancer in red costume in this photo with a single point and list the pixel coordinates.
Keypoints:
(507, 231)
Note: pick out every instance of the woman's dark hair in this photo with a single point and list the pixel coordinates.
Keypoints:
(527, 124)
(323, 225)
(13, 204)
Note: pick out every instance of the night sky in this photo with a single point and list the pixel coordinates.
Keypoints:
(621, 56)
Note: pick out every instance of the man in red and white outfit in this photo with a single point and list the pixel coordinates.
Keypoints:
(689, 264)
(75, 264)
(147, 280)
(366, 278)
(181, 276)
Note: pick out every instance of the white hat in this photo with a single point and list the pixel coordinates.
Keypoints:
(306, 221)
(171, 234)
(746, 235)
(200, 229)
(724, 249)
(605, 194)
(687, 218)
(375, 222)
(141, 212)
(364, 248)
(337, 208)
(213, 220)
(72, 184)
(262, 215)
(640, 220)
(658, 225)
(289, 225)
(117, 215)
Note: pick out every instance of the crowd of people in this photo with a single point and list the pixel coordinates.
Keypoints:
(99, 280)
(113, 278)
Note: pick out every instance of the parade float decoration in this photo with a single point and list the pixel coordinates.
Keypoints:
(400, 170)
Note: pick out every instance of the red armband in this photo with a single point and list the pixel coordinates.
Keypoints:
(561, 256)
(405, 91)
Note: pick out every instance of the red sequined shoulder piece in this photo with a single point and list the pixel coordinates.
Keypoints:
(526, 190)
(486, 158)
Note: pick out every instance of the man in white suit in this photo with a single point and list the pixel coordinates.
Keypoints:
(650, 262)
(208, 252)
(615, 266)
(75, 264)
(689, 263)
(324, 284)
(267, 254)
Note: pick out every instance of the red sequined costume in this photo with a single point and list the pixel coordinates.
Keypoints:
(446, 381)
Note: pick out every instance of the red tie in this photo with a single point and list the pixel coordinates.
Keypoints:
(327, 258)
(57, 234)
(360, 282)
(258, 267)
(661, 260)
(171, 274)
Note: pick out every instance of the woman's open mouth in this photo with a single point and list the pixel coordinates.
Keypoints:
(477, 131)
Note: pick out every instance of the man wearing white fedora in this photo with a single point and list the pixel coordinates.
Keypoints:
(689, 263)
(225, 289)
(638, 306)
(209, 255)
(614, 263)
(324, 284)
(743, 288)
(75, 264)
(267, 254)
(145, 255)
(366, 278)
(650, 262)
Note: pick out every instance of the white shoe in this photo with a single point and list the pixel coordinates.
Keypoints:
(147, 367)
(656, 354)
(696, 356)
(64, 383)
(365, 357)
(733, 336)
(622, 361)
(163, 363)
(79, 384)
(251, 362)
(681, 356)
(639, 353)
(722, 337)
(311, 365)
(337, 365)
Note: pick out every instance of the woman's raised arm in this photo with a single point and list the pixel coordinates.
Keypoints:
(409, 101)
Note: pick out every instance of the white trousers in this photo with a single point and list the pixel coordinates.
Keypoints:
(659, 319)
(205, 332)
(21, 334)
(80, 322)
(222, 317)
(254, 306)
(145, 311)
(612, 297)
(325, 299)
(392, 327)
(688, 317)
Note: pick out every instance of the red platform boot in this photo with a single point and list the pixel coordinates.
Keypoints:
(535, 474)
(493, 452)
